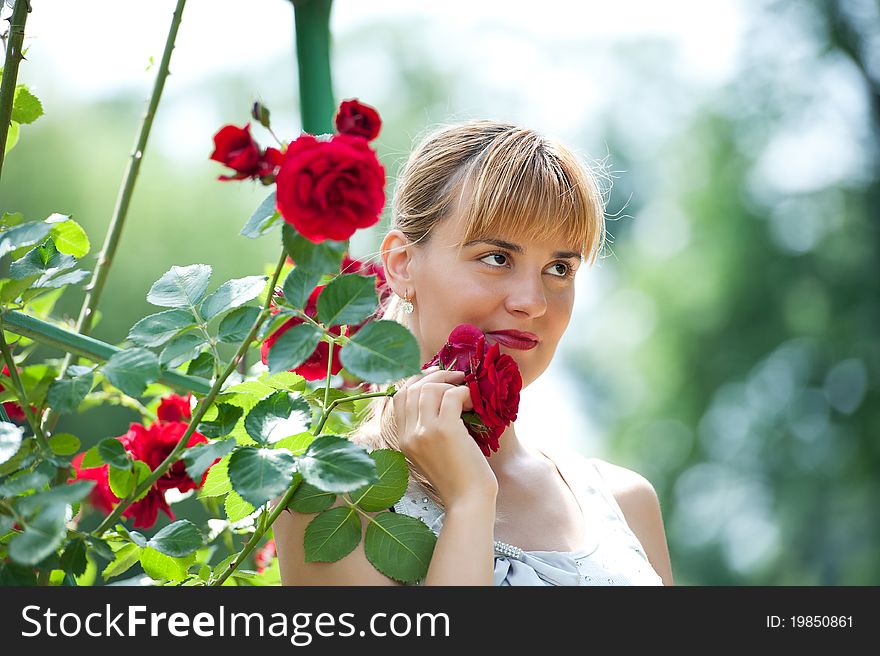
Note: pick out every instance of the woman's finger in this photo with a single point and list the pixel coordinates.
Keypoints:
(430, 395)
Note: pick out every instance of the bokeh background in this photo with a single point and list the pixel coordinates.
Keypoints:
(726, 343)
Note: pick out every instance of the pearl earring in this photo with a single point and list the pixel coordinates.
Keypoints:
(407, 305)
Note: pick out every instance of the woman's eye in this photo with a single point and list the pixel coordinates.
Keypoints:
(494, 255)
(566, 270)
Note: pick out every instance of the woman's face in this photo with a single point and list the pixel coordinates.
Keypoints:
(526, 286)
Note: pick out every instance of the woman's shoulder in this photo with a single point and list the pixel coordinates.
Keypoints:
(640, 506)
(626, 484)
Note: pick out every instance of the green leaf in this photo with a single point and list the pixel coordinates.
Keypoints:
(156, 329)
(284, 380)
(92, 458)
(11, 137)
(279, 415)
(236, 508)
(42, 536)
(33, 480)
(17, 575)
(22, 459)
(123, 482)
(127, 556)
(317, 396)
(298, 286)
(324, 257)
(178, 539)
(69, 278)
(66, 394)
(259, 475)
(399, 546)
(73, 560)
(382, 351)
(70, 238)
(181, 287)
(100, 547)
(66, 493)
(41, 301)
(231, 294)
(198, 458)
(113, 452)
(26, 107)
(335, 464)
(310, 499)
(64, 444)
(393, 476)
(262, 219)
(11, 290)
(202, 366)
(180, 349)
(43, 260)
(160, 567)
(332, 535)
(10, 440)
(25, 234)
(217, 482)
(347, 299)
(227, 416)
(130, 370)
(236, 325)
(293, 347)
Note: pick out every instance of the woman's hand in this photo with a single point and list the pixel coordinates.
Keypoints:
(427, 414)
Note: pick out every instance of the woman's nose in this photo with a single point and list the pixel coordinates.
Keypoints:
(527, 296)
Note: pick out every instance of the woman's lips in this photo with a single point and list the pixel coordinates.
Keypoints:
(512, 342)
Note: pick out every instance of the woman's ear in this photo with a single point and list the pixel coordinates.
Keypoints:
(396, 258)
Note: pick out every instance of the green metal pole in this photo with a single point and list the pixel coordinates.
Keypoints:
(312, 23)
(88, 347)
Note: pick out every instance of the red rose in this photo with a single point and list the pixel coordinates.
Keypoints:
(236, 148)
(492, 377)
(329, 189)
(152, 445)
(175, 408)
(495, 385)
(460, 349)
(358, 119)
(315, 366)
(144, 512)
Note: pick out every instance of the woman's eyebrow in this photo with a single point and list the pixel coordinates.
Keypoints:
(516, 248)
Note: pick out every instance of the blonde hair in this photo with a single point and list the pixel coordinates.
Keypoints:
(504, 179)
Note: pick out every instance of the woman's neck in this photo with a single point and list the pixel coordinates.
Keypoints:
(510, 450)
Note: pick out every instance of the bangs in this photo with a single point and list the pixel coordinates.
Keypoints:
(529, 189)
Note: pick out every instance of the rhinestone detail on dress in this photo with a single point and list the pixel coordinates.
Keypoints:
(508, 549)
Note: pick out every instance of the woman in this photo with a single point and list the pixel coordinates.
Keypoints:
(490, 223)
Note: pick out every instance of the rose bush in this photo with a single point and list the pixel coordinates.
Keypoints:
(249, 447)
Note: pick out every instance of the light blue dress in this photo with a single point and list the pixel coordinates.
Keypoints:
(613, 554)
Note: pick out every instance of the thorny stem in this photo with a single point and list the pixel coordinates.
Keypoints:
(114, 231)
